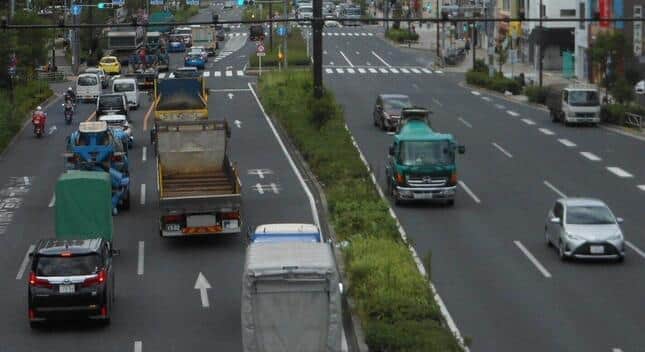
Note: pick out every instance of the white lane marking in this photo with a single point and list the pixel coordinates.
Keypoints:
(162, 75)
(533, 260)
(217, 74)
(372, 70)
(502, 150)
(552, 187)
(143, 194)
(381, 59)
(140, 260)
(486, 99)
(437, 102)
(425, 70)
(312, 201)
(340, 70)
(616, 350)
(546, 131)
(528, 122)
(229, 73)
(567, 143)
(370, 34)
(512, 113)
(393, 70)
(383, 70)
(144, 153)
(202, 285)
(343, 34)
(138, 346)
(361, 70)
(350, 70)
(641, 187)
(358, 53)
(465, 122)
(240, 73)
(25, 261)
(500, 106)
(52, 202)
(474, 92)
(171, 75)
(414, 70)
(635, 249)
(329, 70)
(590, 156)
(207, 74)
(470, 193)
(438, 71)
(26, 180)
(619, 172)
(404, 70)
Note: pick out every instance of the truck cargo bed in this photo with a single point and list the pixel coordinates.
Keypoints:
(197, 185)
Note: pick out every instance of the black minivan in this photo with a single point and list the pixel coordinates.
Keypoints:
(71, 279)
(113, 103)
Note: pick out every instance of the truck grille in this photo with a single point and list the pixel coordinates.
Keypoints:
(586, 114)
(427, 181)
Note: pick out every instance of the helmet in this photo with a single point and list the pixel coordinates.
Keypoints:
(69, 89)
(38, 108)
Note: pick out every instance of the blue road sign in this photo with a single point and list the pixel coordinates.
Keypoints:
(156, 2)
(192, 2)
(282, 31)
(118, 2)
(76, 10)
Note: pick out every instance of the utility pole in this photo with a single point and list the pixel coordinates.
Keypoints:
(438, 49)
(271, 26)
(76, 45)
(540, 40)
(472, 44)
(285, 39)
(12, 9)
(317, 37)
(91, 20)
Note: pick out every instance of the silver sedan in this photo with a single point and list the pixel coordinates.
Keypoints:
(584, 228)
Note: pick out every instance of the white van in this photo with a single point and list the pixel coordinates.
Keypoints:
(88, 87)
(128, 86)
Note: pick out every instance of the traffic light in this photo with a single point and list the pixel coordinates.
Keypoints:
(280, 55)
(104, 5)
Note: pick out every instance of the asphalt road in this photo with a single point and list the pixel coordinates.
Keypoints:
(516, 164)
(157, 308)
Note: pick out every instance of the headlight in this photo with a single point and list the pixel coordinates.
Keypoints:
(616, 237)
(574, 237)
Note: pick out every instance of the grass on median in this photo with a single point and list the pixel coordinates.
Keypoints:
(296, 51)
(393, 299)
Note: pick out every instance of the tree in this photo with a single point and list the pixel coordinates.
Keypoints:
(608, 52)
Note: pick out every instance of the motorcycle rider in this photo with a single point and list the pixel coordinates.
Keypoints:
(39, 117)
(70, 95)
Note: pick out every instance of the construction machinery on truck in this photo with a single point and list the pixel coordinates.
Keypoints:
(198, 186)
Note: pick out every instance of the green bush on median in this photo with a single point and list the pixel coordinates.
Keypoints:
(393, 300)
(12, 116)
(536, 94)
(401, 35)
(497, 83)
(296, 51)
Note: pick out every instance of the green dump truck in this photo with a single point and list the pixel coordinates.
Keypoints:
(84, 206)
(421, 163)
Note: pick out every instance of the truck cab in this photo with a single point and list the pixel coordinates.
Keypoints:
(286, 233)
(421, 164)
(574, 104)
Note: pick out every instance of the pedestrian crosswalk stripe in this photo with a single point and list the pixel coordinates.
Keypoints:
(240, 73)
(229, 73)
(172, 75)
(340, 70)
(415, 70)
(162, 75)
(337, 34)
(361, 70)
(343, 34)
(393, 70)
(217, 74)
(405, 70)
(383, 70)
(207, 74)
(350, 70)
(329, 70)
(426, 70)
(364, 34)
(372, 70)
(370, 34)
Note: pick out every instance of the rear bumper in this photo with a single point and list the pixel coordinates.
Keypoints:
(418, 193)
(67, 312)
(229, 231)
(568, 119)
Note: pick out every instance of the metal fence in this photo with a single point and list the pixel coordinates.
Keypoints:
(633, 120)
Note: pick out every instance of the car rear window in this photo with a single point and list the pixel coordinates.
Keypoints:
(67, 266)
(123, 87)
(114, 101)
(87, 81)
(108, 60)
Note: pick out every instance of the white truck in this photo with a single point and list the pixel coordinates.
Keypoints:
(291, 298)
(205, 36)
(574, 104)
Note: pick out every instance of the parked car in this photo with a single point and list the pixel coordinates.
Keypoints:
(387, 110)
(304, 14)
(70, 278)
(99, 72)
(195, 60)
(353, 13)
(584, 228)
(110, 65)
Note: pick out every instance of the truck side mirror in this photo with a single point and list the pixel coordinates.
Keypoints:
(461, 149)
(391, 150)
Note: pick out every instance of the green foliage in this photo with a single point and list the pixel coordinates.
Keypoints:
(185, 13)
(609, 49)
(296, 51)
(536, 94)
(622, 91)
(401, 35)
(393, 300)
(480, 66)
(633, 75)
(497, 83)
(615, 113)
(27, 96)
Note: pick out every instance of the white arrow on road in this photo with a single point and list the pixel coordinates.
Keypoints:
(202, 285)
(238, 123)
(51, 130)
(230, 96)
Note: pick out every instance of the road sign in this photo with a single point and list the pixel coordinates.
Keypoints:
(260, 49)
(156, 2)
(118, 2)
(282, 31)
(192, 2)
(76, 10)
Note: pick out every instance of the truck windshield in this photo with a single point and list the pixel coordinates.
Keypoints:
(413, 153)
(583, 98)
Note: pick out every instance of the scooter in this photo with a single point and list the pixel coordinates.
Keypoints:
(69, 112)
(39, 125)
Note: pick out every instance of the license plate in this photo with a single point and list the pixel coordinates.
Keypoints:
(423, 196)
(66, 288)
(230, 224)
(597, 249)
(173, 227)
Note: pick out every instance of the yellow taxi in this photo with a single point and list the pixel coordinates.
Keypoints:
(110, 65)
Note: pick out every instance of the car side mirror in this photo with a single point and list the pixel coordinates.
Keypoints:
(31, 254)
(391, 150)
(620, 220)
(555, 220)
(461, 149)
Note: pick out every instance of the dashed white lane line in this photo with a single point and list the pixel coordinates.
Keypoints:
(240, 73)
(500, 106)
(52, 202)
(474, 92)
(533, 260)
(486, 99)
(207, 74)
(502, 150)
(346, 59)
(528, 122)
(554, 189)
(641, 187)
(619, 172)
(635, 249)
(140, 260)
(381, 59)
(437, 102)
(590, 156)
(25, 261)
(465, 122)
(217, 74)
(567, 143)
(329, 70)
(144, 153)
(361, 70)
(383, 70)
(143, 194)
(138, 346)
(546, 131)
(470, 193)
(512, 113)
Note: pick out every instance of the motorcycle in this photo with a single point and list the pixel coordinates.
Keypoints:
(69, 112)
(38, 120)
(70, 99)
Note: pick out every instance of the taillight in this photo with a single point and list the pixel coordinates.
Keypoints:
(400, 179)
(168, 219)
(96, 279)
(117, 158)
(72, 159)
(104, 311)
(32, 314)
(231, 215)
(38, 282)
(453, 178)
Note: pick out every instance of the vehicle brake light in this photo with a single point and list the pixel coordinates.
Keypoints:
(400, 179)
(104, 311)
(453, 178)
(96, 279)
(173, 218)
(117, 158)
(38, 282)
(66, 254)
(231, 215)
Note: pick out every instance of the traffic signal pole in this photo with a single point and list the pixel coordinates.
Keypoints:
(317, 25)
(285, 39)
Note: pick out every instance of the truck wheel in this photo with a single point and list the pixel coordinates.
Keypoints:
(554, 118)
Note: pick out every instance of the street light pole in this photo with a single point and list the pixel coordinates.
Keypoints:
(317, 37)
(286, 32)
(540, 40)
(438, 49)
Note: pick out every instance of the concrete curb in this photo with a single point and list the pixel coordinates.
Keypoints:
(45, 104)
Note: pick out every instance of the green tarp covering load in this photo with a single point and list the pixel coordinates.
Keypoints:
(83, 205)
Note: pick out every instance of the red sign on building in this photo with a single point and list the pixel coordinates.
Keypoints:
(604, 7)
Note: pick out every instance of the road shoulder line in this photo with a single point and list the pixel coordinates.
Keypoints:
(533, 260)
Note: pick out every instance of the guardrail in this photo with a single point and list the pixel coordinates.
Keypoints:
(633, 120)
(51, 76)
